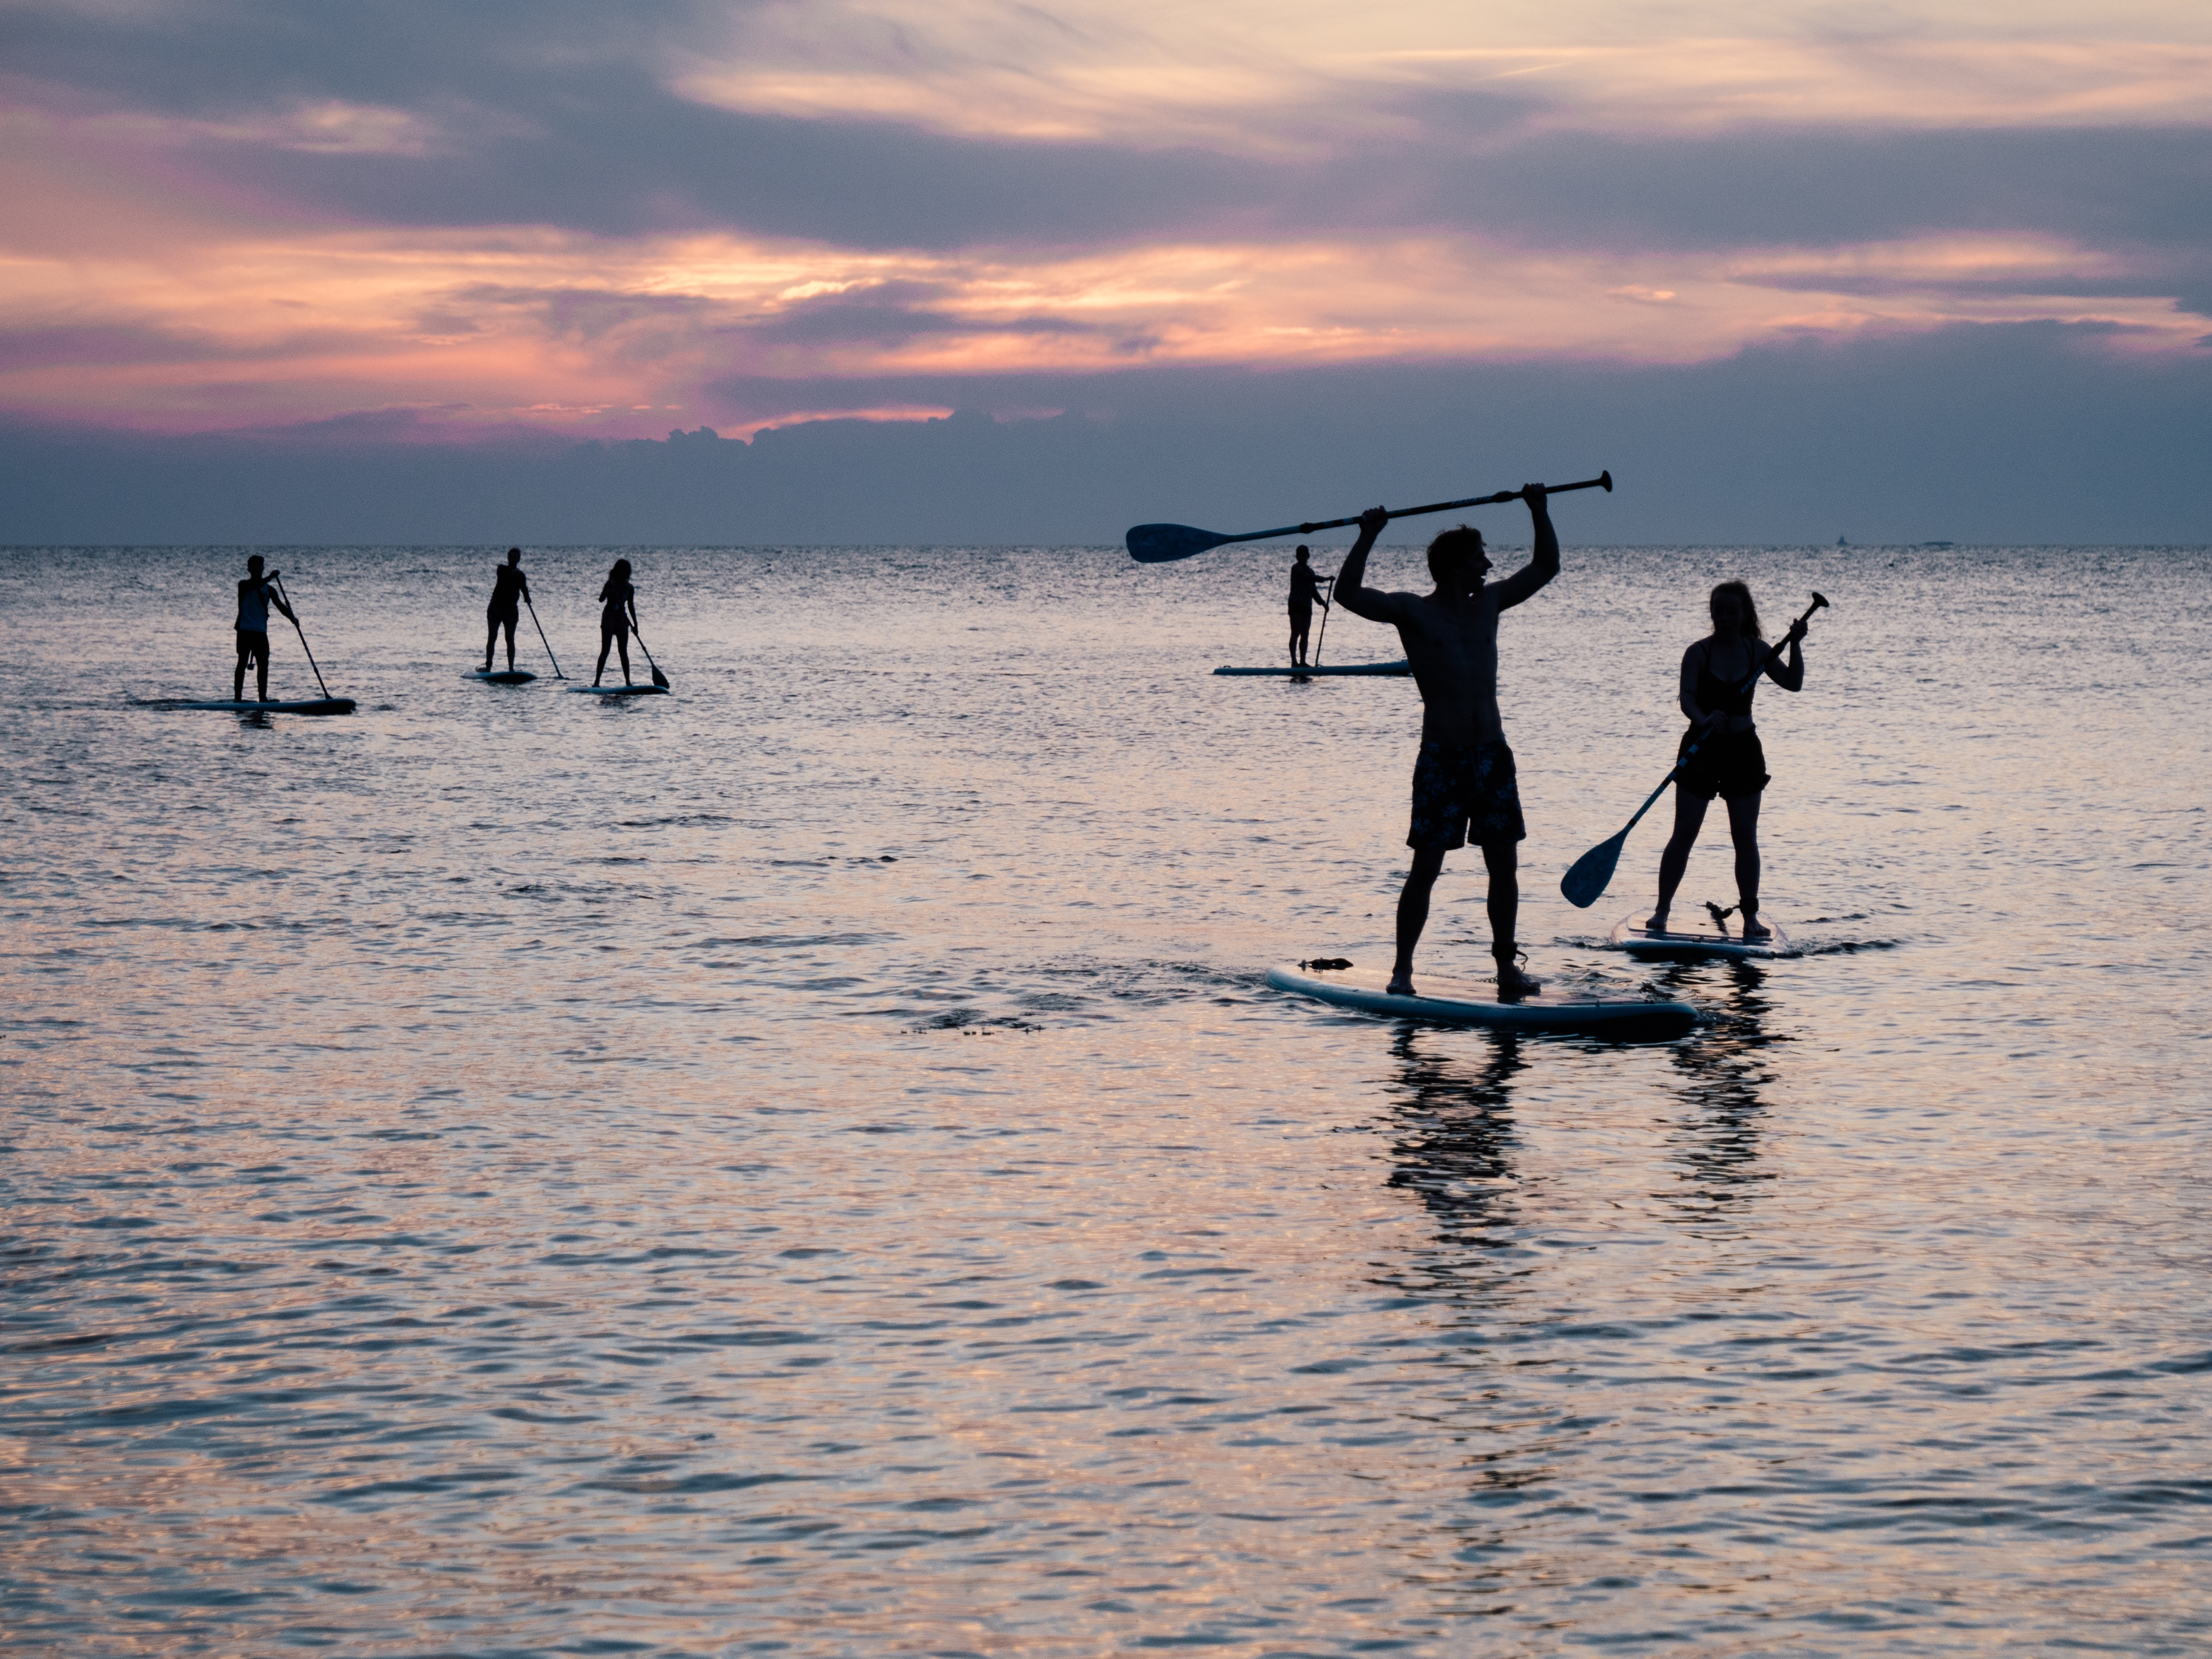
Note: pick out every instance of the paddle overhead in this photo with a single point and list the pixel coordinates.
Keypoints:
(1585, 882)
(1160, 543)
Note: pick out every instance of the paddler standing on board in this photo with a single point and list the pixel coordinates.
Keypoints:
(256, 593)
(1730, 760)
(1305, 589)
(509, 588)
(1464, 787)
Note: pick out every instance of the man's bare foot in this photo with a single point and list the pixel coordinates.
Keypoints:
(1754, 928)
(1401, 985)
(1656, 923)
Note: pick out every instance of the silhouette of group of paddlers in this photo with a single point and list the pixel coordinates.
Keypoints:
(510, 591)
(1465, 788)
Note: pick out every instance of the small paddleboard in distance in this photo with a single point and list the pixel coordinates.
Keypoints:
(500, 675)
(641, 689)
(1444, 1001)
(301, 706)
(1709, 944)
(1401, 666)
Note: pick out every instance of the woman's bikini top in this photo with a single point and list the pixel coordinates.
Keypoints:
(1715, 694)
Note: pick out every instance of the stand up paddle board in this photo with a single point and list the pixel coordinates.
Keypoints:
(1461, 1002)
(303, 706)
(1401, 666)
(1645, 946)
(500, 675)
(643, 689)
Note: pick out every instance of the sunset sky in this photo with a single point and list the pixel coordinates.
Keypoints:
(611, 221)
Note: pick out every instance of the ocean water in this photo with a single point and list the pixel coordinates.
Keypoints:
(810, 1165)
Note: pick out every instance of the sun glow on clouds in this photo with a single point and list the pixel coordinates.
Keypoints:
(1263, 77)
(139, 291)
(570, 331)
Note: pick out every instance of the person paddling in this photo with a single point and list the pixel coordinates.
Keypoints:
(1464, 785)
(1730, 760)
(1305, 589)
(256, 593)
(509, 588)
(617, 614)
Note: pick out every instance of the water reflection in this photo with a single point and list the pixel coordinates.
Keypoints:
(1454, 1137)
(1715, 1149)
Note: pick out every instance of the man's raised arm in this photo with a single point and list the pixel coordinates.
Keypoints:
(1351, 591)
(1524, 582)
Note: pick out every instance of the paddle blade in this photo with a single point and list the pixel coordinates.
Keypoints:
(659, 678)
(1585, 885)
(1158, 543)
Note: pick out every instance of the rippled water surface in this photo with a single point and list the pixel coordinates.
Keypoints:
(810, 1164)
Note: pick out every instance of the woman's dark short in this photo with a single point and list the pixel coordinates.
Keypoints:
(1465, 792)
(1729, 765)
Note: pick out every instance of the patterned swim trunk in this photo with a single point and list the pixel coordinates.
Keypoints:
(1465, 792)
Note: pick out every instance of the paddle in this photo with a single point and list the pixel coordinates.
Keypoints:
(1158, 543)
(547, 643)
(658, 678)
(1585, 884)
(302, 633)
(1327, 604)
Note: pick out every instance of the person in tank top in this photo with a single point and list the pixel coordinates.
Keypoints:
(1730, 763)
(509, 588)
(617, 612)
(256, 593)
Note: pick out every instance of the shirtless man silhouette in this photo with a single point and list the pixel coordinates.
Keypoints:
(1463, 783)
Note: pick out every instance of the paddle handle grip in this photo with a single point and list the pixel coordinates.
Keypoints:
(1603, 481)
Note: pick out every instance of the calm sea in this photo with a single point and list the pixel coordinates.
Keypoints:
(810, 1164)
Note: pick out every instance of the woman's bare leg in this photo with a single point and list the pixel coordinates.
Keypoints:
(1743, 827)
(1689, 818)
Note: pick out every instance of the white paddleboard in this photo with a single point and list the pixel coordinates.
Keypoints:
(302, 706)
(641, 689)
(1445, 1001)
(1710, 943)
(1401, 666)
(500, 675)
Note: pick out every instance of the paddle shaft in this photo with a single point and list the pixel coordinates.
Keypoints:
(1327, 604)
(547, 643)
(290, 611)
(1603, 481)
(1772, 651)
(658, 678)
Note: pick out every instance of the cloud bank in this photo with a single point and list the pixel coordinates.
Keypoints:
(243, 217)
